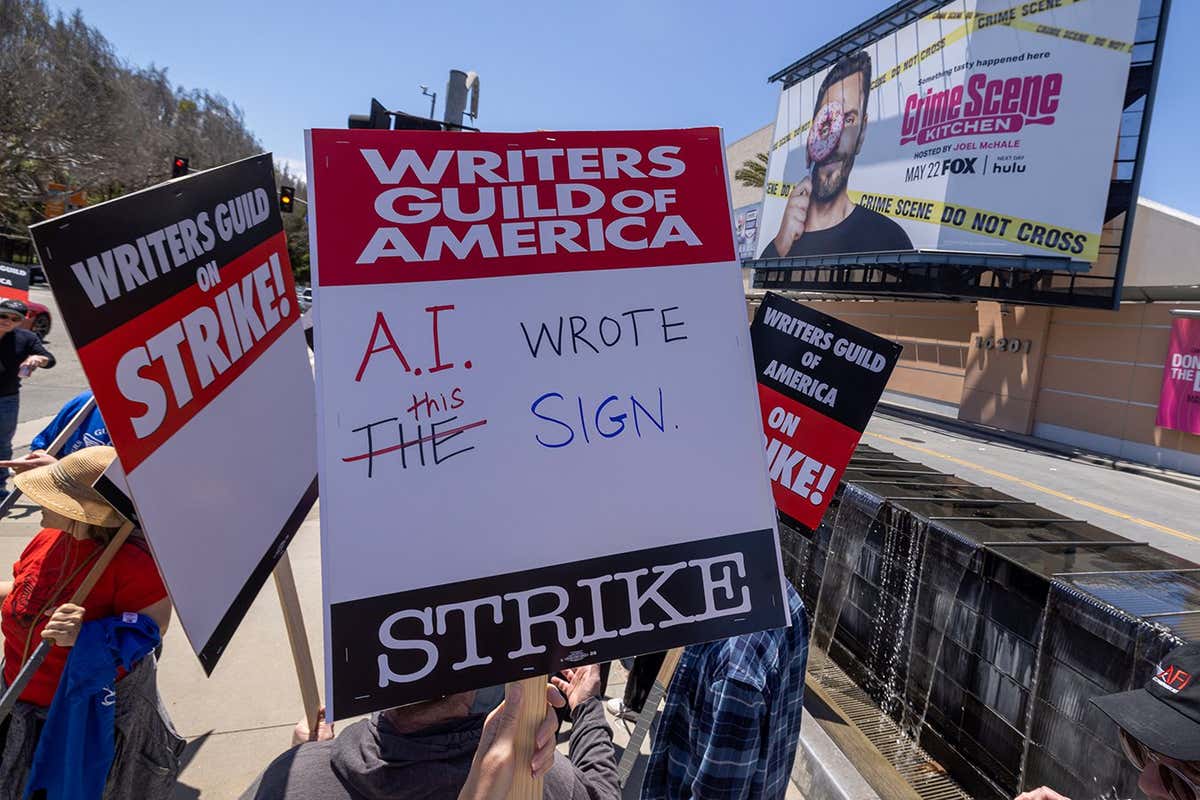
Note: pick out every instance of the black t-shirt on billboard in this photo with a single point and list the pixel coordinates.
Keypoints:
(863, 231)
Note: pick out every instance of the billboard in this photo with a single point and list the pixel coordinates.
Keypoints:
(984, 127)
(1179, 401)
(745, 229)
(538, 429)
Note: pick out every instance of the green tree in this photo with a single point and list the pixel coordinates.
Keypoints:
(753, 172)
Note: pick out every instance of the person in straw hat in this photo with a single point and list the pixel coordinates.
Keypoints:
(77, 524)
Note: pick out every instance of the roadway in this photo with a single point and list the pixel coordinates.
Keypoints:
(1138, 507)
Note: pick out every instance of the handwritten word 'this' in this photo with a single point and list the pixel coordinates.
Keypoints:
(383, 341)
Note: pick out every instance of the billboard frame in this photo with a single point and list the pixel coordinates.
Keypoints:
(949, 275)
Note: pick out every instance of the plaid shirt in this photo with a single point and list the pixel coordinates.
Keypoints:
(732, 719)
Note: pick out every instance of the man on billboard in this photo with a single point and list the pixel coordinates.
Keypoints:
(820, 217)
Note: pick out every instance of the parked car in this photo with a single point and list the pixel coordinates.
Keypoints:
(38, 319)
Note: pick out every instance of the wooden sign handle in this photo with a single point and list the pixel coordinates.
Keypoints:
(106, 557)
(293, 621)
(532, 712)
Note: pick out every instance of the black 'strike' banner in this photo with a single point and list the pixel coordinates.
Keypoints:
(819, 380)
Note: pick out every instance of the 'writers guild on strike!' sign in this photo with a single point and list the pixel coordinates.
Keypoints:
(180, 302)
(819, 380)
(538, 431)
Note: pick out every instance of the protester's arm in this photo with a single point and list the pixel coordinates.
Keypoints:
(36, 354)
(37, 458)
(730, 741)
(591, 749)
(495, 762)
(160, 612)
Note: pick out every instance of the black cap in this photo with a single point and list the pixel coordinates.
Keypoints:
(1164, 715)
(15, 306)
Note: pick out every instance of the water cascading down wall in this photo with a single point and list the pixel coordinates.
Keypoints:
(983, 624)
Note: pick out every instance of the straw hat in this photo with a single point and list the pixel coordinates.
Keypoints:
(66, 486)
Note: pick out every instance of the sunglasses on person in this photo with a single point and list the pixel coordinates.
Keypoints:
(1178, 785)
(11, 317)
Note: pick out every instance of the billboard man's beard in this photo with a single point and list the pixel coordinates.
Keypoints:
(830, 177)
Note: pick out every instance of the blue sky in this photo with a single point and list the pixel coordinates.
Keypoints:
(565, 65)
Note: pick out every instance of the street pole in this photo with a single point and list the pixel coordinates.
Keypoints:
(432, 99)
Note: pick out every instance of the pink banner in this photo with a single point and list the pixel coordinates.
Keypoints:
(1179, 403)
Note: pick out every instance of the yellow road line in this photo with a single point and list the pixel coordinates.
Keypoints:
(1038, 487)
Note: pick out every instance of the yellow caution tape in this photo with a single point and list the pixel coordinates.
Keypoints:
(924, 53)
(1055, 239)
(1069, 35)
(791, 135)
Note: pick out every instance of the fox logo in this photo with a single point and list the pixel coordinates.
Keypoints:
(1173, 679)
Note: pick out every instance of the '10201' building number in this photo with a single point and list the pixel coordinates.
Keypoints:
(1004, 344)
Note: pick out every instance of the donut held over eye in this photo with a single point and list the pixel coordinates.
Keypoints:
(826, 132)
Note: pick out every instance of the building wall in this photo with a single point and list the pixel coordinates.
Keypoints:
(742, 150)
(1088, 379)
(935, 337)
(1101, 380)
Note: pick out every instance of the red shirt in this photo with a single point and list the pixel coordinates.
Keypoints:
(45, 577)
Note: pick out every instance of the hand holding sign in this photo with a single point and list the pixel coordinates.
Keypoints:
(495, 767)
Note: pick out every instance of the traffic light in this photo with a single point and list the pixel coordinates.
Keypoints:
(379, 118)
(286, 199)
(179, 167)
(411, 122)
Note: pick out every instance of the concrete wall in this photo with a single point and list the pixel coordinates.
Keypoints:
(935, 337)
(1163, 250)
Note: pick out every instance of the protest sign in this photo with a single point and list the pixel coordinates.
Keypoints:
(819, 380)
(14, 282)
(539, 443)
(180, 302)
(1179, 401)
